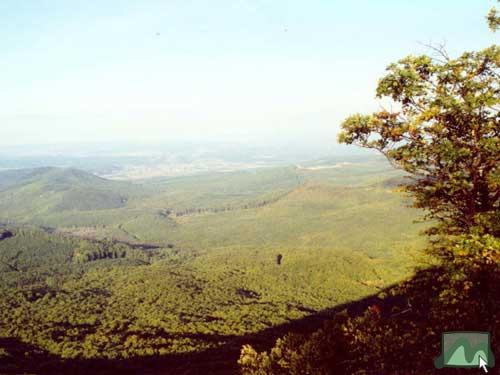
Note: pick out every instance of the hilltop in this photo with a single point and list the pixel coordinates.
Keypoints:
(28, 193)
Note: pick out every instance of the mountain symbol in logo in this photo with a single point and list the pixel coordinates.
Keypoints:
(465, 349)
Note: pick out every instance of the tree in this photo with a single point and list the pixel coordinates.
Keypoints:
(493, 19)
(445, 134)
(279, 258)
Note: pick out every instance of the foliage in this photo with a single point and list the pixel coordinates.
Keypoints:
(445, 134)
(399, 333)
(209, 277)
(493, 19)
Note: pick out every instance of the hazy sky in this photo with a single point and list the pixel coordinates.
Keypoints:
(103, 70)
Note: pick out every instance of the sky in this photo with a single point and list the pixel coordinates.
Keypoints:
(237, 70)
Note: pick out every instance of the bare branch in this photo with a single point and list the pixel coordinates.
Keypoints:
(439, 50)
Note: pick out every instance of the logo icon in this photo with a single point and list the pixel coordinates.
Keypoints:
(465, 349)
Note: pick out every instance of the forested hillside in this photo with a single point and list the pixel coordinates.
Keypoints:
(193, 266)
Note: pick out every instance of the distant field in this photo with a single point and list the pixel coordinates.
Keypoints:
(343, 234)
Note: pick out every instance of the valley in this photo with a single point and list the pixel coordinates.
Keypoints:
(106, 270)
(249, 187)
